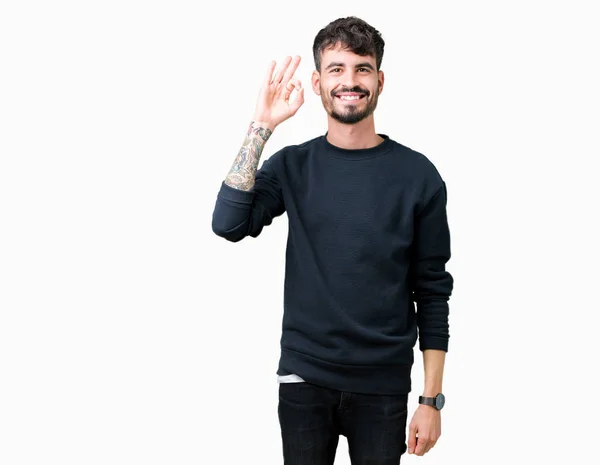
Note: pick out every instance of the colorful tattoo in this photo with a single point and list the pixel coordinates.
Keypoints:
(243, 172)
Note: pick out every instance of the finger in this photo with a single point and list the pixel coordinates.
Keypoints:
(291, 69)
(412, 439)
(269, 75)
(279, 74)
(289, 87)
(422, 444)
(298, 100)
(433, 439)
(430, 446)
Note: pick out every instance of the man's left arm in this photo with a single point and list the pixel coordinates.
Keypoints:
(431, 286)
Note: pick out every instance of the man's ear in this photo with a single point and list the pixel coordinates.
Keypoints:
(315, 80)
(381, 79)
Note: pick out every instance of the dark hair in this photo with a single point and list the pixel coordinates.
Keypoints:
(354, 34)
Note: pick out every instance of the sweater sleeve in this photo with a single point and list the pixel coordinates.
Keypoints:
(238, 214)
(432, 284)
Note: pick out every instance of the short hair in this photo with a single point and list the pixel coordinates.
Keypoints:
(353, 34)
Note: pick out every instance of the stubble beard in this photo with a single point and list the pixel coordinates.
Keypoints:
(350, 114)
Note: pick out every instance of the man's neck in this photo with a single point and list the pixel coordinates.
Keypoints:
(361, 135)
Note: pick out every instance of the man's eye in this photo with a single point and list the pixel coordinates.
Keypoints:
(335, 69)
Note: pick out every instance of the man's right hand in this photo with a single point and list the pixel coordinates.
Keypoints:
(274, 106)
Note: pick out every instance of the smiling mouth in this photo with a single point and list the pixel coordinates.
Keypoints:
(350, 98)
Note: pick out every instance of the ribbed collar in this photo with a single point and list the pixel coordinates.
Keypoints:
(357, 154)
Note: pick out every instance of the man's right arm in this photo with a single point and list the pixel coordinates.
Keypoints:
(243, 172)
(249, 199)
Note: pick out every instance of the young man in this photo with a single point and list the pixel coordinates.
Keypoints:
(365, 262)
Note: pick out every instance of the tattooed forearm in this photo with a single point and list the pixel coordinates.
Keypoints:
(243, 172)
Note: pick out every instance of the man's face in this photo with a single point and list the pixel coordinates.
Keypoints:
(349, 85)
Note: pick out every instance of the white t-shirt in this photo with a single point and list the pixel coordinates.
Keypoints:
(289, 379)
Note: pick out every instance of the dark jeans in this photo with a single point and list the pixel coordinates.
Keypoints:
(312, 418)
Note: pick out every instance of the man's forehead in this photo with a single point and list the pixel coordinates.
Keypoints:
(343, 55)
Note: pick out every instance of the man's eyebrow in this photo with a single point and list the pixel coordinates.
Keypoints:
(337, 64)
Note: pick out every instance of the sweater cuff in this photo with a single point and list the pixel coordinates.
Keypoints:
(235, 195)
(432, 342)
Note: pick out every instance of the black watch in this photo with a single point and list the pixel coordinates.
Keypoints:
(437, 402)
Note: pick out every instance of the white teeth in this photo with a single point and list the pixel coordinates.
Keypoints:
(350, 97)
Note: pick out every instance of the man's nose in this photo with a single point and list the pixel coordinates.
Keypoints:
(349, 79)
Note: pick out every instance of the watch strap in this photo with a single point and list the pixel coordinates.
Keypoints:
(427, 401)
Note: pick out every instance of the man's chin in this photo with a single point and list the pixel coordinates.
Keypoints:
(348, 117)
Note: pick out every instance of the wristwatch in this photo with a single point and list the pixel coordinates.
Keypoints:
(436, 402)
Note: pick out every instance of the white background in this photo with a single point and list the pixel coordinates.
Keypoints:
(131, 334)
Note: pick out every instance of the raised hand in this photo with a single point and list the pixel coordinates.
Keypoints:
(274, 105)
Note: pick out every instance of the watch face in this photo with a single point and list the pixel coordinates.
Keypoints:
(440, 400)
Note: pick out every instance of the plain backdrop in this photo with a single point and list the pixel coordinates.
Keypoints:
(131, 334)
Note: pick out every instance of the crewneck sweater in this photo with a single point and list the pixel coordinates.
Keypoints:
(365, 267)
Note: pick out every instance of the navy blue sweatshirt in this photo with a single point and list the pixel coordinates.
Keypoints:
(365, 274)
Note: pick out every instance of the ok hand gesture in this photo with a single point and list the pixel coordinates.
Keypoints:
(274, 105)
